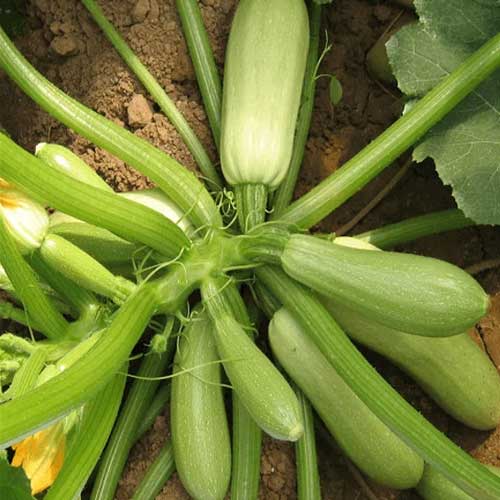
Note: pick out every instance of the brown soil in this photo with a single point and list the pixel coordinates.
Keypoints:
(68, 48)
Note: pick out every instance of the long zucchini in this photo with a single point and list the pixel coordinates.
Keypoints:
(262, 389)
(414, 294)
(263, 76)
(452, 370)
(369, 443)
(200, 432)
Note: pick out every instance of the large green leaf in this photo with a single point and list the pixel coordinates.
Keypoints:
(465, 145)
(14, 485)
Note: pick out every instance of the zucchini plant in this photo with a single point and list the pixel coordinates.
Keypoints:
(90, 279)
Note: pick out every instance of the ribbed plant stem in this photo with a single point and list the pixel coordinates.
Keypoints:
(251, 202)
(157, 474)
(83, 379)
(123, 437)
(203, 62)
(306, 458)
(284, 194)
(159, 95)
(416, 227)
(99, 415)
(380, 153)
(177, 182)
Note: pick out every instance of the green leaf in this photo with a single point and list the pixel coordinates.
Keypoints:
(465, 145)
(14, 484)
(322, 2)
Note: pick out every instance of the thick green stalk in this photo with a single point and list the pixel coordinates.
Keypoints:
(416, 227)
(123, 436)
(220, 253)
(25, 378)
(125, 218)
(99, 415)
(284, 193)
(203, 62)
(47, 318)
(377, 394)
(251, 204)
(157, 475)
(178, 183)
(247, 444)
(346, 181)
(159, 95)
(306, 458)
(80, 381)
(247, 435)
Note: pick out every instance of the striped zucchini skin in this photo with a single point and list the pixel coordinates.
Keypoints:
(452, 370)
(411, 293)
(200, 432)
(369, 443)
(263, 76)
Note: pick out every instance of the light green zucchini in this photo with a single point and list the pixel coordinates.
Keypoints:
(411, 293)
(435, 486)
(263, 76)
(369, 443)
(200, 432)
(262, 389)
(452, 370)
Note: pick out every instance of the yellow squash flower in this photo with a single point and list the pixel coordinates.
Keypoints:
(41, 456)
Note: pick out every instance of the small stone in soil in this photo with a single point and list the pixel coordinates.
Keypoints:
(64, 45)
(140, 11)
(139, 111)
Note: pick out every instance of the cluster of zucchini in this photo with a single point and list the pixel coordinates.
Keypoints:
(93, 275)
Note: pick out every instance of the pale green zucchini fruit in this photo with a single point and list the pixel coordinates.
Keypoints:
(368, 442)
(263, 76)
(452, 370)
(411, 293)
(200, 432)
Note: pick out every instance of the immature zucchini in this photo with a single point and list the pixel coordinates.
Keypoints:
(369, 443)
(200, 433)
(411, 293)
(263, 76)
(262, 389)
(266, 395)
(452, 370)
